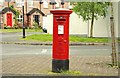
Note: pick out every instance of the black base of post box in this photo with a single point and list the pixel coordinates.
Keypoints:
(60, 65)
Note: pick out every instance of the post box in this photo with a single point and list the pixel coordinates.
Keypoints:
(60, 55)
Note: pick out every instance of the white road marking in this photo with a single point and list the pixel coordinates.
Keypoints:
(44, 51)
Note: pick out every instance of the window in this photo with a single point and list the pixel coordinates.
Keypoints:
(45, 4)
(20, 18)
(19, 3)
(30, 3)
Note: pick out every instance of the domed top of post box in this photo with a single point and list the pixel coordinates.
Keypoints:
(61, 11)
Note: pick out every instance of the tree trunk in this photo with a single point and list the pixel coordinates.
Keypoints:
(114, 55)
(92, 21)
(91, 29)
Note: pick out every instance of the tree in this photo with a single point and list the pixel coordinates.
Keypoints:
(91, 11)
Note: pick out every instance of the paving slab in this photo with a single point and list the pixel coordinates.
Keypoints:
(41, 65)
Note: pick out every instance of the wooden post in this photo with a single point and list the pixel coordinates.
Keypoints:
(113, 40)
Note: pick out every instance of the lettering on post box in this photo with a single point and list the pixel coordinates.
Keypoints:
(60, 29)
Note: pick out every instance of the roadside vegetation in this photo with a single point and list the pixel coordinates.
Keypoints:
(19, 30)
(73, 73)
(118, 40)
(78, 73)
(48, 38)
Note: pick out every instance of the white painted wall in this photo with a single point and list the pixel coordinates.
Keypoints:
(48, 23)
(101, 27)
(77, 26)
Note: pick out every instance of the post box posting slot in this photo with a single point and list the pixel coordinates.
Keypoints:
(61, 19)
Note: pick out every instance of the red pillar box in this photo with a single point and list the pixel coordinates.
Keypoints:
(60, 61)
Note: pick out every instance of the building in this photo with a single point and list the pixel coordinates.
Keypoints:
(8, 15)
(34, 10)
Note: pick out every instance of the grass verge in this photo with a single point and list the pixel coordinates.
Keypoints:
(10, 30)
(78, 73)
(73, 73)
(19, 30)
(48, 38)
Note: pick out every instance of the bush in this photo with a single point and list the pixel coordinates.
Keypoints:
(7, 27)
(15, 26)
(40, 27)
(32, 27)
(35, 24)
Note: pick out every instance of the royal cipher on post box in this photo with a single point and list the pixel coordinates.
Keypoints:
(60, 55)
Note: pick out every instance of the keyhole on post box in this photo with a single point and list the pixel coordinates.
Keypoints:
(61, 17)
(62, 40)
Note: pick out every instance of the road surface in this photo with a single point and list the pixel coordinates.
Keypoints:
(15, 49)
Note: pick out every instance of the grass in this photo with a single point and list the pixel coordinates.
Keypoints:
(119, 40)
(84, 39)
(48, 38)
(10, 30)
(34, 30)
(19, 30)
(74, 73)
(66, 73)
(39, 37)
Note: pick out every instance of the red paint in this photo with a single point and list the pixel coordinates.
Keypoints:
(9, 19)
(60, 41)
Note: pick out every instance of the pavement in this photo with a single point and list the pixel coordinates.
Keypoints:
(41, 64)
